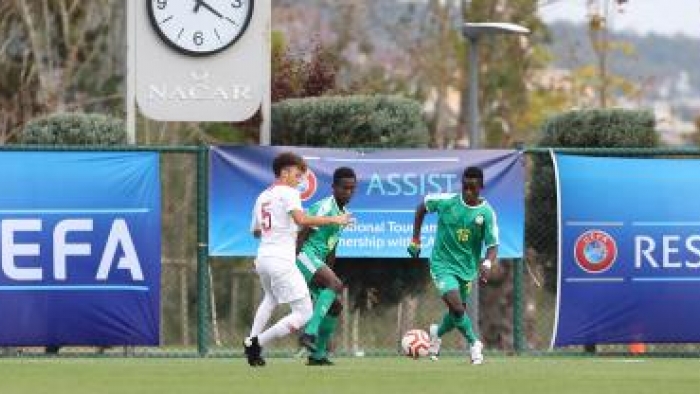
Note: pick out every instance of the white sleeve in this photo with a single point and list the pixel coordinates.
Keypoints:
(255, 221)
(292, 200)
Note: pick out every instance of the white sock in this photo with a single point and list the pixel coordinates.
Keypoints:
(262, 315)
(301, 313)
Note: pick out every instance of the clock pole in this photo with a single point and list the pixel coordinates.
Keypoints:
(266, 105)
(130, 72)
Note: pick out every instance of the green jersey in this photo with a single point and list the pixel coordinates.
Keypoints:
(463, 231)
(323, 239)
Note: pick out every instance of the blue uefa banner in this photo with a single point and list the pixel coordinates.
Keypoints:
(391, 185)
(629, 252)
(80, 243)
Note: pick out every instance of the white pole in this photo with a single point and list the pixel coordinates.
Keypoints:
(131, 71)
(266, 105)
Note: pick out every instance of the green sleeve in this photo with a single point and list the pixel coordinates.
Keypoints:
(491, 233)
(435, 202)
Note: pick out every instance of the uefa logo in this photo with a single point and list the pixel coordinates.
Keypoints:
(595, 251)
(308, 185)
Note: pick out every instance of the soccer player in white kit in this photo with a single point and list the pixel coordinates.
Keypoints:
(277, 216)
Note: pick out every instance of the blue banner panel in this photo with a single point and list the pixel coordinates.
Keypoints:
(80, 248)
(391, 184)
(629, 252)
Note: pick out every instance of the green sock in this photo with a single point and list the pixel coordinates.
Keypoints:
(325, 333)
(446, 325)
(464, 325)
(323, 303)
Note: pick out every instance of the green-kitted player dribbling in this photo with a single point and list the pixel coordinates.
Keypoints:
(466, 224)
(317, 252)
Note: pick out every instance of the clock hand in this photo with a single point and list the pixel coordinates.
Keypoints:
(210, 8)
(197, 3)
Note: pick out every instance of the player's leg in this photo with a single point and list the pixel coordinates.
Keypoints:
(453, 292)
(251, 344)
(464, 325)
(457, 310)
(325, 333)
(288, 287)
(301, 310)
(319, 275)
(263, 313)
(331, 287)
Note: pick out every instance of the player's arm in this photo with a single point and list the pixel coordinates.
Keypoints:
(414, 246)
(491, 240)
(330, 259)
(255, 223)
(488, 262)
(302, 236)
(302, 219)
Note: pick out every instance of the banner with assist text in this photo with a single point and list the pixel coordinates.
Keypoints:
(629, 250)
(80, 241)
(391, 184)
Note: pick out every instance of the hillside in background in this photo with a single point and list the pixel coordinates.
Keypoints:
(669, 65)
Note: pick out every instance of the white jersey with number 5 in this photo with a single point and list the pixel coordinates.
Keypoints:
(271, 215)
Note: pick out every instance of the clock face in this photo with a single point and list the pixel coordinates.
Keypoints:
(200, 27)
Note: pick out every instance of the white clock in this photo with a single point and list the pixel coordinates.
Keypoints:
(200, 27)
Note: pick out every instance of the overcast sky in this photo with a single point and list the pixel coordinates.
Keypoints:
(642, 16)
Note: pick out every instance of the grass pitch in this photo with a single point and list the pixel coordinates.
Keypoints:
(520, 375)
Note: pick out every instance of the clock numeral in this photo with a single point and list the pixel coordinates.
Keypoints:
(237, 3)
(198, 38)
(161, 4)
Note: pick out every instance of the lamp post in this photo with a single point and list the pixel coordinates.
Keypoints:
(473, 32)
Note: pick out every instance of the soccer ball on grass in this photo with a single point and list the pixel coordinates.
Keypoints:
(415, 343)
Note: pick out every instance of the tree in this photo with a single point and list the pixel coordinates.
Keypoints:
(59, 55)
(602, 48)
(297, 76)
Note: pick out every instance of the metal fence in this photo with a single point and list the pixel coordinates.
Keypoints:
(207, 304)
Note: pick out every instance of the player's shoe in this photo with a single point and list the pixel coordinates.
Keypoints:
(475, 352)
(308, 341)
(252, 350)
(323, 362)
(435, 341)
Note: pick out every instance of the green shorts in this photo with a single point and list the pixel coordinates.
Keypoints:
(308, 264)
(448, 282)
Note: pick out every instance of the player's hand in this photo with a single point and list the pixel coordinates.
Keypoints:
(343, 219)
(484, 270)
(414, 248)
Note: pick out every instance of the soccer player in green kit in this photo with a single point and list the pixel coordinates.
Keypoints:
(466, 224)
(317, 252)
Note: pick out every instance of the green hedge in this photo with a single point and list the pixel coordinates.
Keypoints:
(610, 128)
(74, 129)
(351, 121)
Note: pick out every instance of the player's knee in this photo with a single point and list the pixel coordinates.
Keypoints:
(336, 285)
(335, 308)
(457, 312)
(302, 312)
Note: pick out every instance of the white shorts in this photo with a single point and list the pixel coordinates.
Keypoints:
(281, 279)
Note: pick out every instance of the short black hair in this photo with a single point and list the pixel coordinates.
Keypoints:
(341, 173)
(287, 159)
(474, 172)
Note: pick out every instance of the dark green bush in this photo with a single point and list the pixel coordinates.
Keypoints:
(74, 129)
(352, 121)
